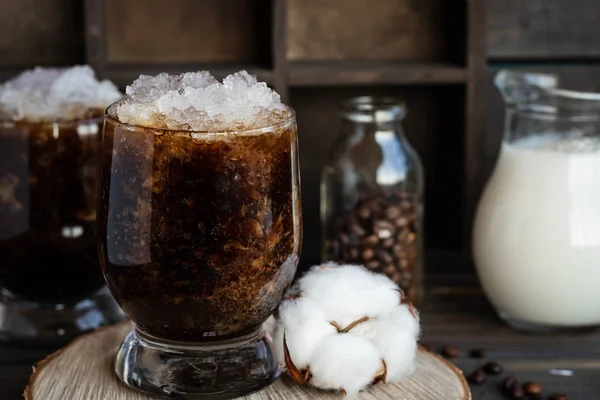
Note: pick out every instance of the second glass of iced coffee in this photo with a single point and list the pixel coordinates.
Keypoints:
(199, 230)
(51, 286)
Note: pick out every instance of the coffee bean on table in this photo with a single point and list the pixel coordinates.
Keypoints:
(450, 351)
(477, 353)
(532, 388)
(477, 377)
(516, 393)
(493, 368)
(509, 382)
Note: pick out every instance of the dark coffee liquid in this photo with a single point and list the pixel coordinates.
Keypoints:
(48, 192)
(199, 237)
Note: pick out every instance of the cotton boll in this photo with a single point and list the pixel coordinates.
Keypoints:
(344, 362)
(398, 349)
(304, 325)
(395, 336)
(349, 292)
(403, 317)
(378, 330)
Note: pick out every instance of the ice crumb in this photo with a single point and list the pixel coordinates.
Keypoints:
(197, 101)
(52, 94)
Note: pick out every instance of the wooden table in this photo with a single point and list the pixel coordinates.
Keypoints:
(561, 363)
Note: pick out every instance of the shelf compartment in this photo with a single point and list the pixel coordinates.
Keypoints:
(409, 30)
(331, 73)
(186, 31)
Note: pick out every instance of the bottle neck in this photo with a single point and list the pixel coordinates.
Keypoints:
(357, 131)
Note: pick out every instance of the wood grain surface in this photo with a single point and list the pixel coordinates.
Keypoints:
(83, 370)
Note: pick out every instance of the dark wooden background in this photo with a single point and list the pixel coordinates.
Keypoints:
(439, 56)
(425, 52)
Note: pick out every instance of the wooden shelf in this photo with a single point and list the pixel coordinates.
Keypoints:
(346, 73)
(122, 75)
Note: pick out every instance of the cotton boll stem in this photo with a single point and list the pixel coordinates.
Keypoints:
(297, 375)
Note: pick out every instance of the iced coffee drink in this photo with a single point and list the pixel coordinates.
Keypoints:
(199, 228)
(50, 139)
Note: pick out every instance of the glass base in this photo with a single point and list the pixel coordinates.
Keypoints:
(211, 370)
(540, 328)
(55, 323)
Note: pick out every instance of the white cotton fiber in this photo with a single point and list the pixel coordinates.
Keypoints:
(349, 293)
(395, 336)
(344, 362)
(346, 325)
(305, 326)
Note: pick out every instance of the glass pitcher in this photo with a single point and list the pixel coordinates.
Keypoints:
(536, 237)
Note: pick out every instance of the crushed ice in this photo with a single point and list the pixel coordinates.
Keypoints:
(197, 101)
(51, 94)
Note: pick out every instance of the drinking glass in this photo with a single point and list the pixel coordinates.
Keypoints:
(51, 285)
(199, 236)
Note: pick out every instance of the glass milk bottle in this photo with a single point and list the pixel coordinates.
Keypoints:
(372, 194)
(536, 238)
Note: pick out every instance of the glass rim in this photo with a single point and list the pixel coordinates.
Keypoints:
(253, 131)
(61, 122)
(553, 113)
(372, 103)
(575, 94)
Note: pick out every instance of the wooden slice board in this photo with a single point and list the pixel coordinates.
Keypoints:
(83, 370)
